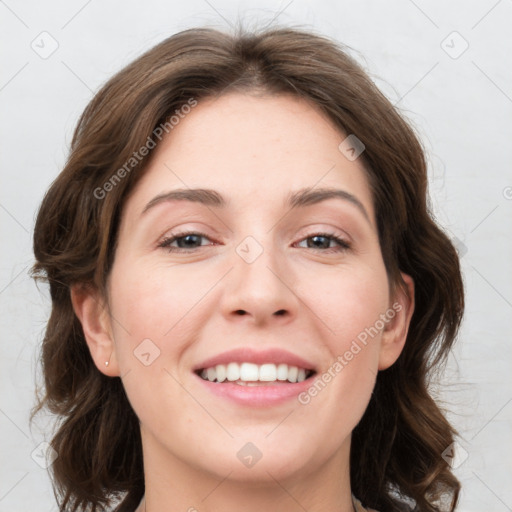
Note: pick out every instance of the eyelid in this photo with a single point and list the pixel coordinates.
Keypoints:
(342, 243)
(169, 238)
(325, 229)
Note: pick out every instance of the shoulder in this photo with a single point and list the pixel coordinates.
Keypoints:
(358, 507)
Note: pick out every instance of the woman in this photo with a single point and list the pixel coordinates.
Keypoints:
(249, 293)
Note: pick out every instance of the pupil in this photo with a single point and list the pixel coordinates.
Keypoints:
(186, 240)
(325, 244)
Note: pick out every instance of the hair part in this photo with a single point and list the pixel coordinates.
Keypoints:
(396, 448)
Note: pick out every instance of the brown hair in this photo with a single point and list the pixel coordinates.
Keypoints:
(397, 446)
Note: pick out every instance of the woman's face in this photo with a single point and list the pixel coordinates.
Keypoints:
(257, 277)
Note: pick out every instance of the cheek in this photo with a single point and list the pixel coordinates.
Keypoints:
(152, 300)
(153, 319)
(168, 305)
(157, 303)
(348, 301)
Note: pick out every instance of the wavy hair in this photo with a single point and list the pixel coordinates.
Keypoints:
(396, 448)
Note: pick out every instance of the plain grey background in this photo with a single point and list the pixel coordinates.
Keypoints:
(446, 65)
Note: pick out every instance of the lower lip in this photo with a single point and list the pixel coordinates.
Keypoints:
(257, 396)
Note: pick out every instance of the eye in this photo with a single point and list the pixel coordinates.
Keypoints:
(187, 241)
(323, 240)
(191, 240)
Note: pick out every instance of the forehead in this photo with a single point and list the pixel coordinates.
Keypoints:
(252, 149)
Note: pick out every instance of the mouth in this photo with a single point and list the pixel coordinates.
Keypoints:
(251, 374)
(255, 378)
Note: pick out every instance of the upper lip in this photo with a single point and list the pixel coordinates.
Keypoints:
(248, 355)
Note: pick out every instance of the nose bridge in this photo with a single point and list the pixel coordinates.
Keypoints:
(259, 280)
(257, 263)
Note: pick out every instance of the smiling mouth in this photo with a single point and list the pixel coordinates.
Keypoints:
(250, 374)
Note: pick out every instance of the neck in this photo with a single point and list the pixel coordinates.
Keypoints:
(171, 484)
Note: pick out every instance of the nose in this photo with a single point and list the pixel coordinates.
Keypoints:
(259, 290)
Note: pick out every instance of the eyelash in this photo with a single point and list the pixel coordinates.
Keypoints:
(167, 241)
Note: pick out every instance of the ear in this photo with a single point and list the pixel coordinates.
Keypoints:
(397, 326)
(93, 313)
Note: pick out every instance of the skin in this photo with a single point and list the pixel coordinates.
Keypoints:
(254, 150)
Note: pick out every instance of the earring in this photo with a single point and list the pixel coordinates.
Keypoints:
(106, 363)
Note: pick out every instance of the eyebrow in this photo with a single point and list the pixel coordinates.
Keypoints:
(300, 198)
(308, 196)
(205, 196)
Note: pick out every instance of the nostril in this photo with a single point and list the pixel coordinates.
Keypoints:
(281, 312)
(240, 312)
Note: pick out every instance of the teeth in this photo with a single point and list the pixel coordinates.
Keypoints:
(282, 372)
(293, 371)
(249, 373)
(267, 373)
(232, 372)
(221, 372)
